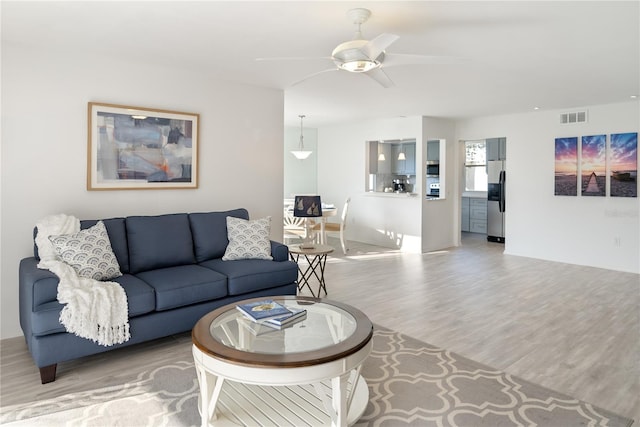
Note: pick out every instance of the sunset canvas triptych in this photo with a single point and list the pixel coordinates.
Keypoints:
(622, 156)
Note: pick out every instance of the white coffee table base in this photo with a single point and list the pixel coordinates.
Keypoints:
(251, 405)
(319, 395)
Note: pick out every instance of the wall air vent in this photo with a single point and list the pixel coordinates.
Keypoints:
(573, 117)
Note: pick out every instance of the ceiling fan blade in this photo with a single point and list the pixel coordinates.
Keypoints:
(293, 58)
(375, 47)
(381, 77)
(395, 59)
(313, 75)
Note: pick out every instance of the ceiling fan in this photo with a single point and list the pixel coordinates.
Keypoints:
(369, 57)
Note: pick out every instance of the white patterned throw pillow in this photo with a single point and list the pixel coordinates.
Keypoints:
(88, 252)
(248, 239)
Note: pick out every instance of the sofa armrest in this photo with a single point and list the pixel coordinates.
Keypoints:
(31, 277)
(36, 286)
(279, 251)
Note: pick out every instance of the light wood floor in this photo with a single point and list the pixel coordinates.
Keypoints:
(570, 328)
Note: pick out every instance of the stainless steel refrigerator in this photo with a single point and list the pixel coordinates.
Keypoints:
(496, 200)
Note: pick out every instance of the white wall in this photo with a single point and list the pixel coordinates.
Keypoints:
(577, 230)
(386, 220)
(44, 147)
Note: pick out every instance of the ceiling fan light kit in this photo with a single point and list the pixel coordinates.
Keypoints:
(361, 66)
(358, 55)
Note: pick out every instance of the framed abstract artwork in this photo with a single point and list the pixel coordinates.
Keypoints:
(134, 148)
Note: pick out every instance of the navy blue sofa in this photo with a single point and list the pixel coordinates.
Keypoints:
(172, 274)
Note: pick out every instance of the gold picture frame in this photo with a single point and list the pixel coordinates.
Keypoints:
(136, 148)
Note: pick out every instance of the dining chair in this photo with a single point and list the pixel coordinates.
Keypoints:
(340, 227)
(293, 227)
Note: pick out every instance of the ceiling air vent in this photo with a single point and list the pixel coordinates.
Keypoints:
(573, 117)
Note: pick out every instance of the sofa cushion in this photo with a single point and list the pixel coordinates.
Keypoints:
(248, 239)
(210, 232)
(141, 298)
(184, 285)
(159, 242)
(46, 314)
(250, 275)
(88, 252)
(118, 238)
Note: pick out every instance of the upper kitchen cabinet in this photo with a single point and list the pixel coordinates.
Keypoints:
(372, 161)
(433, 151)
(384, 158)
(410, 162)
(391, 165)
(403, 158)
(496, 149)
(379, 157)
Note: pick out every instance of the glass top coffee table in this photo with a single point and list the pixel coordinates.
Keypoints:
(305, 374)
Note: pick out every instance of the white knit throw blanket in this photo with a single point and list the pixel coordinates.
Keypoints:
(93, 309)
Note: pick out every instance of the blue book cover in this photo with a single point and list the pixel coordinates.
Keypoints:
(263, 310)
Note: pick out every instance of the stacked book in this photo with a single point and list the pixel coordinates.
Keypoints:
(271, 313)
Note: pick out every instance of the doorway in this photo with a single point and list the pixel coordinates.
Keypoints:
(483, 204)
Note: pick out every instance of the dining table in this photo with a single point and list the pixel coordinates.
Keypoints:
(328, 210)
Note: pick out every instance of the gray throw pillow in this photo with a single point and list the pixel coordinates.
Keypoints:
(88, 252)
(248, 239)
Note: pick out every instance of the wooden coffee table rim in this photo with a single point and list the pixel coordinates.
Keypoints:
(207, 344)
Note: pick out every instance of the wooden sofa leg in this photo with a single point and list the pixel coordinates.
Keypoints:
(48, 373)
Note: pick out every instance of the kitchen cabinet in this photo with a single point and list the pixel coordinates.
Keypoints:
(407, 166)
(496, 149)
(396, 165)
(376, 165)
(373, 157)
(474, 215)
(465, 214)
(410, 162)
(478, 215)
(433, 151)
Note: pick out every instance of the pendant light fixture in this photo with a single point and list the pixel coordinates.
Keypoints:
(301, 153)
(401, 155)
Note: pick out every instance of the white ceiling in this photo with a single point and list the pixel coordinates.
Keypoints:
(516, 55)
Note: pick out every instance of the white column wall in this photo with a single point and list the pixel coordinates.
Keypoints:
(440, 218)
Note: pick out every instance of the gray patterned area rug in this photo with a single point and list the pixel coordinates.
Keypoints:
(414, 383)
(410, 383)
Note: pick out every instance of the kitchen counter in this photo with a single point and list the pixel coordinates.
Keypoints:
(475, 194)
(390, 195)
